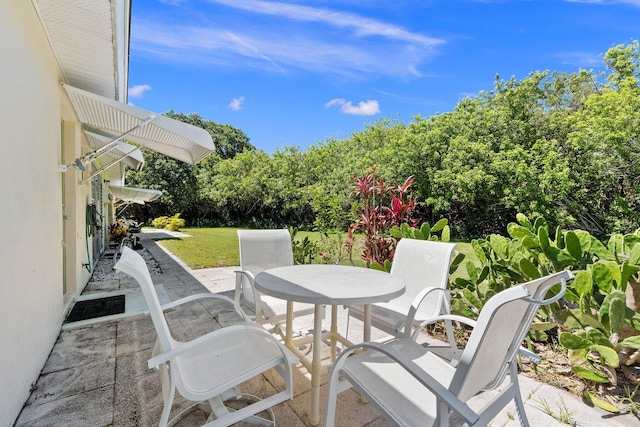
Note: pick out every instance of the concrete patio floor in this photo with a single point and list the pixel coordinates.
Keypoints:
(97, 375)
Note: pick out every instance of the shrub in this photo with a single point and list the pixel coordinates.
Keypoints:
(381, 207)
(596, 323)
(160, 222)
(175, 223)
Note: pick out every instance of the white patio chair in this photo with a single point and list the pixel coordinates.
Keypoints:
(424, 267)
(261, 250)
(412, 386)
(210, 367)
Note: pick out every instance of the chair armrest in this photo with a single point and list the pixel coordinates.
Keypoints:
(218, 334)
(530, 355)
(441, 392)
(257, 302)
(204, 295)
(470, 322)
(249, 274)
(453, 317)
(423, 294)
(415, 304)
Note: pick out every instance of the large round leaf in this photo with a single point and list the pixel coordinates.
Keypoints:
(499, 245)
(574, 342)
(583, 283)
(517, 231)
(523, 220)
(609, 355)
(617, 310)
(631, 342)
(603, 277)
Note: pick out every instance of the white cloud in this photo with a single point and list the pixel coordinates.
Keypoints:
(335, 101)
(364, 108)
(138, 90)
(236, 104)
(607, 2)
(363, 26)
(319, 40)
(580, 59)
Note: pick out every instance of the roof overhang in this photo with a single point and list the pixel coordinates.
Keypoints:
(126, 153)
(134, 195)
(90, 40)
(162, 134)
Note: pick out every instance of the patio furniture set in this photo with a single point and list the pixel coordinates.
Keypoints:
(409, 384)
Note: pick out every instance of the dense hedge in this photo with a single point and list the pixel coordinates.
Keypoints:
(560, 145)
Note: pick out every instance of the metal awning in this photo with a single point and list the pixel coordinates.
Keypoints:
(134, 195)
(126, 153)
(167, 136)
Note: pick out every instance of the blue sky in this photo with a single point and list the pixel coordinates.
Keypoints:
(295, 72)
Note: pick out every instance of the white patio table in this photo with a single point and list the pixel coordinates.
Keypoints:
(323, 284)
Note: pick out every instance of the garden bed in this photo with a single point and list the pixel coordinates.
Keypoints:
(555, 370)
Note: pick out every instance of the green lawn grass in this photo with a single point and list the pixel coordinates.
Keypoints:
(218, 247)
(208, 247)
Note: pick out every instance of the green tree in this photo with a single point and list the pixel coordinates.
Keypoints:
(228, 140)
(605, 144)
(176, 180)
(180, 182)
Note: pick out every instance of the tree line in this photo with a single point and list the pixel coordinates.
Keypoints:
(554, 144)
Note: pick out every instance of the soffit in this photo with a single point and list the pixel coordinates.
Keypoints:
(90, 39)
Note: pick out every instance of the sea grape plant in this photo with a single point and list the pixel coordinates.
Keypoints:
(597, 321)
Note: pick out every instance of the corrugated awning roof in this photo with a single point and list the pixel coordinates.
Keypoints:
(126, 153)
(167, 136)
(135, 195)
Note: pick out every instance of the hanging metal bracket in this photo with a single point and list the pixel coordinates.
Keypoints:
(81, 162)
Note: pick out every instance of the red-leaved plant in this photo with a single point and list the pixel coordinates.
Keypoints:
(382, 207)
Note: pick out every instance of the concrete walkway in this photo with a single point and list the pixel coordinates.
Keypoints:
(97, 374)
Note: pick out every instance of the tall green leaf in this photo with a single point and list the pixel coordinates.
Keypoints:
(600, 403)
(573, 245)
(439, 225)
(616, 314)
(527, 267)
(589, 374)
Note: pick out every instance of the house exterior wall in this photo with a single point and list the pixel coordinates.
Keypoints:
(32, 113)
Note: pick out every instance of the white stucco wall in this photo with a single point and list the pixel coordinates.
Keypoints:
(31, 295)
(76, 196)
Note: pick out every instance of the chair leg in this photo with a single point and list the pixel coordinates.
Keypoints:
(455, 351)
(168, 393)
(219, 409)
(332, 396)
(522, 415)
